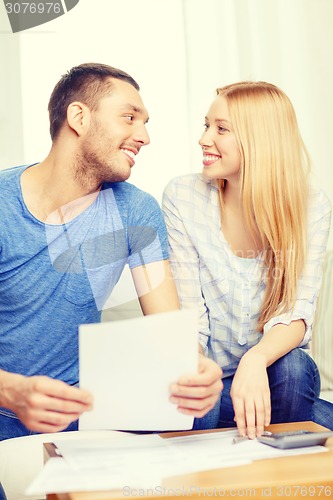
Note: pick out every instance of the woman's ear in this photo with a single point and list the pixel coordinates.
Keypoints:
(78, 117)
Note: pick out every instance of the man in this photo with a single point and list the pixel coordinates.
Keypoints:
(72, 224)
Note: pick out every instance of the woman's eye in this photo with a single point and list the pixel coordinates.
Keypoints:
(206, 126)
(222, 129)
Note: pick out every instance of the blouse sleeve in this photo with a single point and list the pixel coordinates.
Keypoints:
(184, 261)
(310, 280)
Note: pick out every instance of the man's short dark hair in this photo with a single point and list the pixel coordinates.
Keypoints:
(86, 83)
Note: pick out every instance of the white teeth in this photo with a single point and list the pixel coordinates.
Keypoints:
(129, 153)
(210, 157)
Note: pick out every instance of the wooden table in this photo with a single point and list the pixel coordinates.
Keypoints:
(294, 477)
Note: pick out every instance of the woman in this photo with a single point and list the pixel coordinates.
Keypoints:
(247, 239)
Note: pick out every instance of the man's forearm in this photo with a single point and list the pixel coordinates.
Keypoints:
(7, 380)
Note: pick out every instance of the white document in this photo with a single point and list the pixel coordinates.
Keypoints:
(216, 450)
(57, 476)
(124, 461)
(106, 462)
(114, 454)
(129, 365)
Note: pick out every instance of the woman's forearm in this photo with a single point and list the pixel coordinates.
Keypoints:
(278, 341)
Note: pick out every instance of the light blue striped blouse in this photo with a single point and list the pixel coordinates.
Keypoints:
(227, 290)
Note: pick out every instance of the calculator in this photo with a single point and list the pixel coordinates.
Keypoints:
(295, 439)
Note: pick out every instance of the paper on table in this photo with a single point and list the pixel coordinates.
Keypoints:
(128, 366)
(151, 452)
(216, 450)
(105, 463)
(57, 476)
(143, 461)
(117, 452)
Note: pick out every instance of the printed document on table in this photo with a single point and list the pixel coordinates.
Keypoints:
(105, 463)
(216, 450)
(146, 461)
(129, 365)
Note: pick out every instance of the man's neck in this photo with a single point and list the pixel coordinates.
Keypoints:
(52, 192)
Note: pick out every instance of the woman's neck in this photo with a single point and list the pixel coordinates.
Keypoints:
(243, 241)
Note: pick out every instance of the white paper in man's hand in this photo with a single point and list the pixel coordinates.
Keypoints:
(129, 365)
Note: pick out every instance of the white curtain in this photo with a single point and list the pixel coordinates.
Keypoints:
(286, 42)
(322, 340)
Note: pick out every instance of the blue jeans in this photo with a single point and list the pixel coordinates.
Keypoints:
(294, 384)
(11, 427)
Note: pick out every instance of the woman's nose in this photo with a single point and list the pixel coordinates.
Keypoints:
(205, 140)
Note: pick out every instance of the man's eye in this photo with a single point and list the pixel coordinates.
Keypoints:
(129, 117)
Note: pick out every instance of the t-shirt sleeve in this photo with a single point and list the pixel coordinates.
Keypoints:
(147, 235)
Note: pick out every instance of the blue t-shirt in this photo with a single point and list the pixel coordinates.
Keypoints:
(56, 277)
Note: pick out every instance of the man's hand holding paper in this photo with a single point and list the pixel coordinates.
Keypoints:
(196, 394)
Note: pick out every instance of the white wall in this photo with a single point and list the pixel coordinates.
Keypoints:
(11, 127)
(144, 38)
(179, 51)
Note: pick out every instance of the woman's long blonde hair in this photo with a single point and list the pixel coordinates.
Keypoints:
(274, 185)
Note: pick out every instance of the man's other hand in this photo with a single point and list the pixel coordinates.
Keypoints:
(41, 403)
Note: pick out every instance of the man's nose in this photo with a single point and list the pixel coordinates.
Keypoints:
(142, 136)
